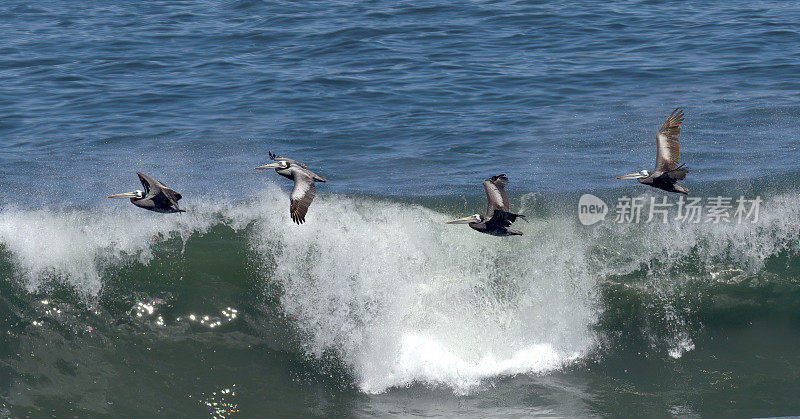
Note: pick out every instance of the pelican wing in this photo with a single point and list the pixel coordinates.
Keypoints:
(172, 196)
(495, 188)
(151, 186)
(166, 200)
(667, 142)
(676, 174)
(316, 177)
(500, 219)
(301, 197)
(175, 196)
(158, 192)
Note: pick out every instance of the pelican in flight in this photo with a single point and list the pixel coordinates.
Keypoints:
(304, 190)
(497, 219)
(667, 171)
(155, 196)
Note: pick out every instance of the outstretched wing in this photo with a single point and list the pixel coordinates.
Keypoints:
(301, 197)
(667, 142)
(151, 186)
(495, 188)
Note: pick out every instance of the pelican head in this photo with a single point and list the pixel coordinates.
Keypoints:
(280, 164)
(640, 175)
(137, 194)
(474, 218)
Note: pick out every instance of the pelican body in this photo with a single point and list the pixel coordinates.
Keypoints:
(304, 189)
(667, 171)
(155, 196)
(498, 219)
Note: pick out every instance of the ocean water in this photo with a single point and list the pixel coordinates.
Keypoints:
(374, 306)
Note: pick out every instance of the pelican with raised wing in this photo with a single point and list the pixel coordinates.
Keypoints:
(498, 219)
(155, 196)
(304, 189)
(667, 171)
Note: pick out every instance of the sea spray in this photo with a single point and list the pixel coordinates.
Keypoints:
(398, 297)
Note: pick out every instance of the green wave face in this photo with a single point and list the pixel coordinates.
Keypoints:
(370, 296)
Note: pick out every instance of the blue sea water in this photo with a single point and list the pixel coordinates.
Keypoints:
(405, 107)
(393, 97)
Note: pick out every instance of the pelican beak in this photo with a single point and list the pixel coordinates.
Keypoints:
(269, 166)
(631, 176)
(464, 220)
(124, 195)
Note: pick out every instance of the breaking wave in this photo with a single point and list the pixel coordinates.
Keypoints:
(396, 296)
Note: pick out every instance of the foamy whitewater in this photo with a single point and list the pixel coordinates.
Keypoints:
(375, 307)
(401, 298)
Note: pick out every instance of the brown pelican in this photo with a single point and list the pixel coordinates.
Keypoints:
(155, 197)
(497, 219)
(667, 171)
(304, 190)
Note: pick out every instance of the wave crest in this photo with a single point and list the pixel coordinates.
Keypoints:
(399, 297)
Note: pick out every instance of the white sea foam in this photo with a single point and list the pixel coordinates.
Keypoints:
(75, 246)
(681, 346)
(401, 297)
(396, 294)
(675, 255)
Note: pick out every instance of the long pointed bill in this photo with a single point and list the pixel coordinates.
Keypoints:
(124, 195)
(464, 220)
(269, 166)
(631, 176)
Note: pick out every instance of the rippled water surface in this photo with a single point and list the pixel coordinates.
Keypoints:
(392, 96)
(375, 306)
